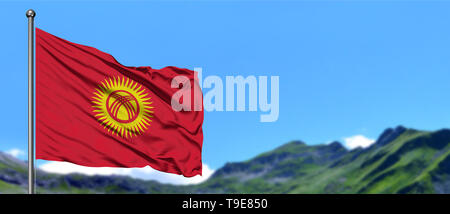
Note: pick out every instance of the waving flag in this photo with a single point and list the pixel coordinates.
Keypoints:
(93, 111)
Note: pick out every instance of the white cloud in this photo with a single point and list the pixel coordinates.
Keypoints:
(146, 173)
(358, 141)
(15, 152)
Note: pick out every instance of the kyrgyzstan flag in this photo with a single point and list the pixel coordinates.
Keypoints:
(93, 111)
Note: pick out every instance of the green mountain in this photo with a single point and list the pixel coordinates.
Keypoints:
(400, 161)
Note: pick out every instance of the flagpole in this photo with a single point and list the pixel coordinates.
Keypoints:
(31, 174)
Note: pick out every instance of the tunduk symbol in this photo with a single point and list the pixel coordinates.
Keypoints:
(122, 106)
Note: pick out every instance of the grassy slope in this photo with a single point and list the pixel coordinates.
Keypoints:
(401, 166)
(7, 188)
(412, 163)
(364, 174)
(389, 169)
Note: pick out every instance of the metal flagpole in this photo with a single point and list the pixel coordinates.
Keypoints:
(31, 175)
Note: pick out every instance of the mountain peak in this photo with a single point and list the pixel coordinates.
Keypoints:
(291, 145)
(336, 145)
(9, 159)
(296, 142)
(389, 135)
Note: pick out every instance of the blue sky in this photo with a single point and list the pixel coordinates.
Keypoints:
(346, 68)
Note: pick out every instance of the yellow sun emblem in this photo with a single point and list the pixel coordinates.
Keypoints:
(122, 106)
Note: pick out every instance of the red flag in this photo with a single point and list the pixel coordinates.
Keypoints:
(93, 111)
